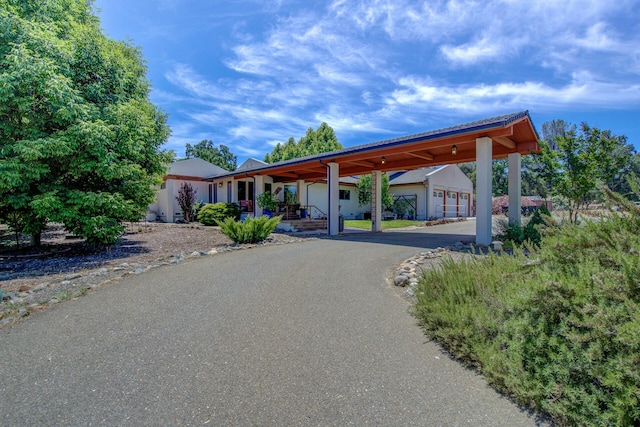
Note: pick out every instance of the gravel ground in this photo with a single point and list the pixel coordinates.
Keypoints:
(65, 267)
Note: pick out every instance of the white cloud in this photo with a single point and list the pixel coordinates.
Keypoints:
(185, 78)
(374, 66)
(582, 90)
(469, 53)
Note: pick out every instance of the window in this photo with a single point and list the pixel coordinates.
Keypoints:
(242, 190)
(345, 194)
(163, 185)
(267, 187)
(291, 194)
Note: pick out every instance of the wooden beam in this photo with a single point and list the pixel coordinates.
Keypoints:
(287, 175)
(507, 142)
(362, 163)
(421, 155)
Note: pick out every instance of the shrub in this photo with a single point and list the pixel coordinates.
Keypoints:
(233, 210)
(529, 233)
(252, 230)
(212, 214)
(186, 200)
(558, 330)
(268, 201)
(196, 208)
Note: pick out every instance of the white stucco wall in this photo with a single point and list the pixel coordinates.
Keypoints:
(348, 208)
(164, 199)
(167, 207)
(417, 190)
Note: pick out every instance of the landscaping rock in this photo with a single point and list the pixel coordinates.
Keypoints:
(401, 280)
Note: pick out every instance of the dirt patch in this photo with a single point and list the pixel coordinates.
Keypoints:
(64, 266)
(63, 254)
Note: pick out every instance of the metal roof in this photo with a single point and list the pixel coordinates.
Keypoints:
(510, 133)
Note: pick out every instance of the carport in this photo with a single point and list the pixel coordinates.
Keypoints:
(510, 135)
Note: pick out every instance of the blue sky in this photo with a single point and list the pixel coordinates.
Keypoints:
(250, 73)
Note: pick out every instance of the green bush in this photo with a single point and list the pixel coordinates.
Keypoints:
(212, 214)
(252, 230)
(558, 330)
(529, 233)
(234, 210)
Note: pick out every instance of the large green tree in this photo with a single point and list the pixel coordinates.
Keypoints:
(363, 187)
(206, 150)
(316, 141)
(583, 159)
(79, 139)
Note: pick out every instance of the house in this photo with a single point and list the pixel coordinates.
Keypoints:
(433, 192)
(193, 171)
(428, 192)
(506, 136)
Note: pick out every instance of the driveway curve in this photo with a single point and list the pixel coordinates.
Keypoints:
(298, 334)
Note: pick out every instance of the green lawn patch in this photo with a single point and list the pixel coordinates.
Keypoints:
(395, 223)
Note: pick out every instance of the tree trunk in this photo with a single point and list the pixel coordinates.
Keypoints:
(36, 239)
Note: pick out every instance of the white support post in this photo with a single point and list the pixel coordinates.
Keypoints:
(484, 173)
(515, 189)
(258, 190)
(376, 201)
(302, 194)
(333, 188)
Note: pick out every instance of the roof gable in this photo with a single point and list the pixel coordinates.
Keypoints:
(195, 167)
(250, 164)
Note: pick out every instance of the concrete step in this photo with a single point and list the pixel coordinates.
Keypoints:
(303, 225)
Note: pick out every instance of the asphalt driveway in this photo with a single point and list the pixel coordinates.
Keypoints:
(298, 334)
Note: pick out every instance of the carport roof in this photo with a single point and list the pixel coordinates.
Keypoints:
(510, 133)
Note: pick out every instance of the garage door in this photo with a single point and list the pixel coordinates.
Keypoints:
(464, 205)
(438, 203)
(452, 204)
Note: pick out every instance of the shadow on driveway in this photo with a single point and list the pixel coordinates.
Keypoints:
(422, 237)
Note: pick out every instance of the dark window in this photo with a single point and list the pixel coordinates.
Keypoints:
(242, 190)
(267, 187)
(163, 185)
(345, 194)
